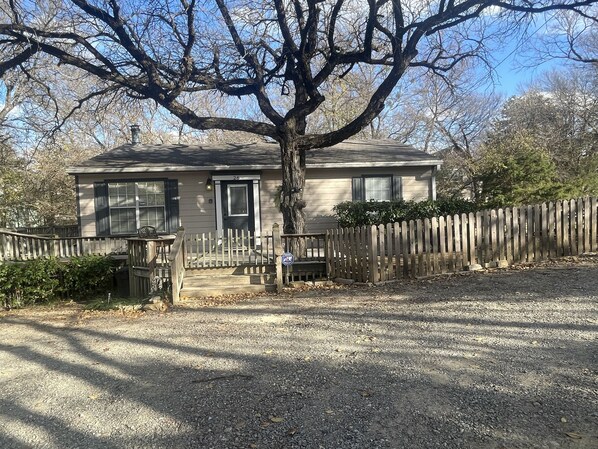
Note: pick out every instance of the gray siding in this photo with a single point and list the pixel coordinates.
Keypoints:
(196, 213)
(324, 189)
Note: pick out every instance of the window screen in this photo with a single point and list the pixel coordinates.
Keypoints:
(378, 188)
(136, 204)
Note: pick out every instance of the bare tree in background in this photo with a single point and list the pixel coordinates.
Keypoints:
(571, 36)
(560, 112)
(259, 51)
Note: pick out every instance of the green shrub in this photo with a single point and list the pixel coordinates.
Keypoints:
(29, 282)
(87, 275)
(361, 213)
(43, 280)
(9, 285)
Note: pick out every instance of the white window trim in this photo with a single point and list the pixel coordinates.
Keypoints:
(136, 206)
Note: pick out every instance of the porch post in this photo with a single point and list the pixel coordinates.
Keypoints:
(218, 195)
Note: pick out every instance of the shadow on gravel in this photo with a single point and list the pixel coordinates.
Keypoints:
(462, 362)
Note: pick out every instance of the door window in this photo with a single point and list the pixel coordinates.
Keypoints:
(237, 200)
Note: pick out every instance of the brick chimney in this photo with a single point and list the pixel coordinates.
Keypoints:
(135, 134)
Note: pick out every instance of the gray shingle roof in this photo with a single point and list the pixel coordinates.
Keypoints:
(162, 158)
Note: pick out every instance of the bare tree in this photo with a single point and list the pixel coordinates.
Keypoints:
(571, 36)
(560, 112)
(260, 51)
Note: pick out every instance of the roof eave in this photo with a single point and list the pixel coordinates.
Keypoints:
(185, 168)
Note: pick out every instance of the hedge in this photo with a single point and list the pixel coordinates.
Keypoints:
(360, 213)
(44, 280)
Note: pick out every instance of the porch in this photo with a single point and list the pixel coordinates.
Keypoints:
(210, 264)
(206, 264)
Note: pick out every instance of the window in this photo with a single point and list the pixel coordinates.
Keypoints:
(122, 202)
(123, 206)
(376, 188)
(136, 204)
(237, 201)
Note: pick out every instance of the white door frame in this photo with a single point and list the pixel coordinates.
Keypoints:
(217, 179)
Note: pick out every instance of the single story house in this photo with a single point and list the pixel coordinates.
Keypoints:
(214, 187)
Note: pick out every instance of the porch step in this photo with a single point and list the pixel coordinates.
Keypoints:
(202, 292)
(227, 280)
(217, 282)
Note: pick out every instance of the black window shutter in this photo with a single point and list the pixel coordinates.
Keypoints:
(171, 187)
(358, 189)
(100, 193)
(397, 188)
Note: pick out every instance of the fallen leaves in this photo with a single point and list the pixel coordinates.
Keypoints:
(365, 339)
(573, 435)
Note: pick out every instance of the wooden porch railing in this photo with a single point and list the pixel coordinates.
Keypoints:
(18, 247)
(148, 261)
(233, 248)
(63, 231)
(177, 259)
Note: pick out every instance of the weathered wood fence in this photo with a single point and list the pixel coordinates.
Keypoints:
(497, 237)
(232, 248)
(55, 231)
(239, 247)
(149, 264)
(20, 247)
(176, 260)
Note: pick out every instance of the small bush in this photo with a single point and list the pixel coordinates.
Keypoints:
(361, 213)
(30, 282)
(87, 275)
(43, 280)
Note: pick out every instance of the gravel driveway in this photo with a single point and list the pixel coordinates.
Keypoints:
(487, 360)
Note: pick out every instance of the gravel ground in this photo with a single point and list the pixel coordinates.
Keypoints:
(506, 359)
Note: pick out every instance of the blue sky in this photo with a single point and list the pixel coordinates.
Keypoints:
(512, 78)
(518, 61)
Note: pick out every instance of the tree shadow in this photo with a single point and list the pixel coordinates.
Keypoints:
(342, 371)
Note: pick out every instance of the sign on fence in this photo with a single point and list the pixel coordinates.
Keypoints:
(287, 259)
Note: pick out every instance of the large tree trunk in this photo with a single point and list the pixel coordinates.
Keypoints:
(293, 183)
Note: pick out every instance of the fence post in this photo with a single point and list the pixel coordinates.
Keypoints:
(373, 253)
(277, 244)
(151, 259)
(327, 253)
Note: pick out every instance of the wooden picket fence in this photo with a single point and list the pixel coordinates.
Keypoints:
(497, 237)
